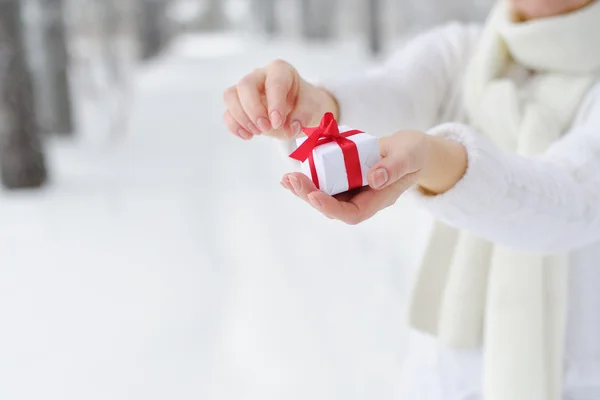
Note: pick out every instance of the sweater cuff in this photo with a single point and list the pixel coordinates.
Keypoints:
(479, 190)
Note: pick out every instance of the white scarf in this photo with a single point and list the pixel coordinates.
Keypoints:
(470, 291)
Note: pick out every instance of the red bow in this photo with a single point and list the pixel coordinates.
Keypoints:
(328, 132)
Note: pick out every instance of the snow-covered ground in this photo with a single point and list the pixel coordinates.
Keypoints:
(168, 263)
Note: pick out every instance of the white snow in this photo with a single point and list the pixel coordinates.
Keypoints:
(168, 263)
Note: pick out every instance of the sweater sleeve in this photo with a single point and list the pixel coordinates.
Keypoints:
(546, 204)
(411, 90)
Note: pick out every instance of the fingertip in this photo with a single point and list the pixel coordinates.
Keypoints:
(244, 134)
(252, 128)
(264, 125)
(293, 129)
(378, 177)
(285, 181)
(320, 197)
(276, 119)
(306, 181)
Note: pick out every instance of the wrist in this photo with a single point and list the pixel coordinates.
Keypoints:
(325, 102)
(445, 165)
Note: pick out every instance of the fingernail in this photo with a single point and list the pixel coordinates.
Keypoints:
(296, 128)
(286, 183)
(263, 125)
(314, 202)
(252, 128)
(244, 134)
(380, 177)
(276, 120)
(296, 183)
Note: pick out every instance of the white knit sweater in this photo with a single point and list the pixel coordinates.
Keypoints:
(546, 204)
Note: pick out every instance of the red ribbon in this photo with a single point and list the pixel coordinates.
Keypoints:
(328, 132)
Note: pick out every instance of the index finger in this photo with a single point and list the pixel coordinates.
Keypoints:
(347, 212)
(372, 201)
(250, 93)
(303, 187)
(279, 88)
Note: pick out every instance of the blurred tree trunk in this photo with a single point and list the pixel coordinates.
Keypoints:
(214, 18)
(318, 18)
(60, 113)
(22, 162)
(110, 28)
(265, 12)
(154, 29)
(375, 26)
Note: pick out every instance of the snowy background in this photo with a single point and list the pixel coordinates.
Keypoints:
(166, 262)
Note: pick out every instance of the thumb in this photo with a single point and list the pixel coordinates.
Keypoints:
(298, 119)
(292, 127)
(310, 106)
(392, 167)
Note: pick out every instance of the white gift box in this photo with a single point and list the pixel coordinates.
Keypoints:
(330, 166)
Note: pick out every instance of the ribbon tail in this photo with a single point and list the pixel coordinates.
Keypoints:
(305, 149)
(313, 171)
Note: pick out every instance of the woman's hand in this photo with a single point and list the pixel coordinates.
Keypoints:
(275, 100)
(408, 158)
